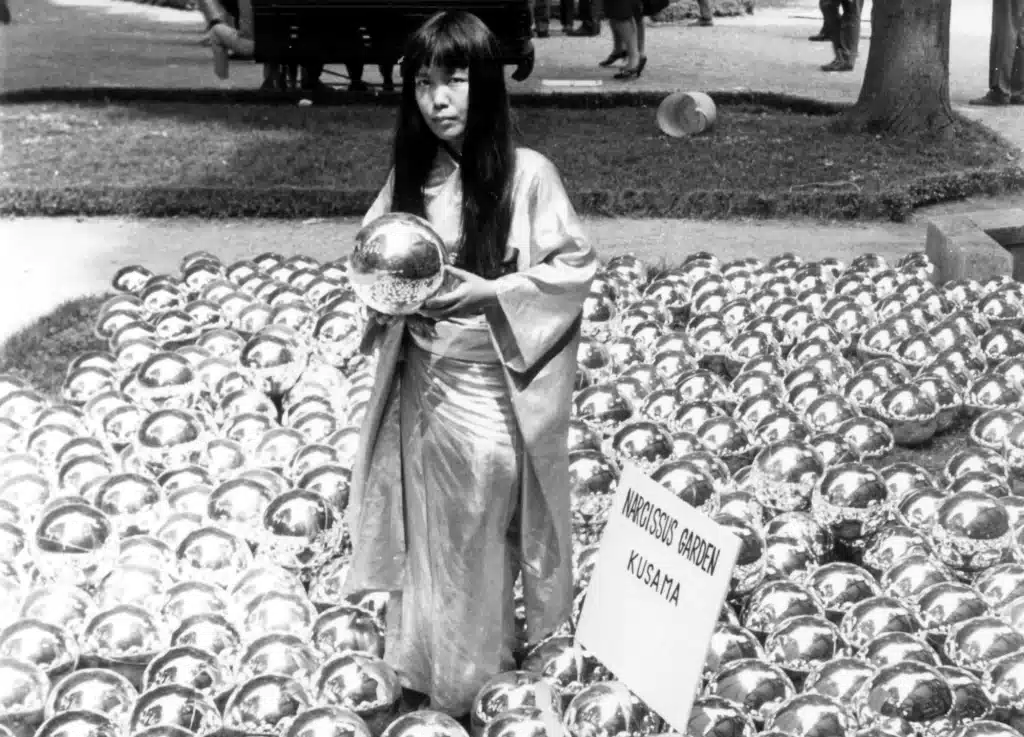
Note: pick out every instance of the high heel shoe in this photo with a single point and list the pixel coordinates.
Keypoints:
(633, 73)
(613, 57)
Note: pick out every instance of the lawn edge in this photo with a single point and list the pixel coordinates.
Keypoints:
(570, 100)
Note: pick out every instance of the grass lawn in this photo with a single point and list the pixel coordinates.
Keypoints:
(42, 351)
(607, 155)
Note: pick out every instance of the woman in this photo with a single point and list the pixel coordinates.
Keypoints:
(626, 18)
(461, 479)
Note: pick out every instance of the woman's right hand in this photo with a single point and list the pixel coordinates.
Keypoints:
(379, 317)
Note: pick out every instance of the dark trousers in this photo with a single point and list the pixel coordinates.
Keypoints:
(588, 11)
(1006, 50)
(705, 10)
(828, 29)
(541, 10)
(842, 17)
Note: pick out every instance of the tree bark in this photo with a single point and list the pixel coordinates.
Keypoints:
(906, 80)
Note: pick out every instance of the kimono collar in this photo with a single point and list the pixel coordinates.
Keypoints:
(446, 163)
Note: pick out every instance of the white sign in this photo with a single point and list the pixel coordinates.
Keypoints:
(657, 590)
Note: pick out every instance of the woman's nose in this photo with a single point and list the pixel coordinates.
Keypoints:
(439, 95)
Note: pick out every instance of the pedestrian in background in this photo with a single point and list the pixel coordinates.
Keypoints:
(626, 17)
(590, 12)
(842, 17)
(826, 32)
(707, 17)
(1006, 56)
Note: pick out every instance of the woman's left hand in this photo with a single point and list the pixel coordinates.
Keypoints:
(471, 295)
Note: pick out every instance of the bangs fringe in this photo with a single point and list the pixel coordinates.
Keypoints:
(448, 41)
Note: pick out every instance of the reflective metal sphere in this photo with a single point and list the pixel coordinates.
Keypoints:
(23, 691)
(79, 724)
(713, 715)
(974, 643)
(840, 678)
(784, 475)
(277, 653)
(346, 628)
(327, 721)
(265, 705)
(397, 263)
(810, 714)
(599, 710)
(185, 665)
(874, 616)
(46, 645)
(758, 687)
(177, 706)
(903, 697)
(360, 682)
(93, 689)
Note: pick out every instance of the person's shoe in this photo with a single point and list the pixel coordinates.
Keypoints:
(584, 30)
(1017, 99)
(838, 65)
(818, 37)
(612, 58)
(632, 73)
(992, 99)
(543, 32)
(703, 22)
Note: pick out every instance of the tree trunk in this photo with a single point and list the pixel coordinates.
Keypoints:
(906, 81)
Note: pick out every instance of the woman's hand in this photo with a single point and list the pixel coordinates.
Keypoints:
(471, 295)
(379, 317)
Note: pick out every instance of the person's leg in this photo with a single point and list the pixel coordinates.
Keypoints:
(825, 34)
(1005, 42)
(831, 10)
(542, 17)
(567, 14)
(641, 31)
(590, 19)
(707, 16)
(1002, 52)
(387, 73)
(626, 31)
(1017, 76)
(849, 30)
(619, 50)
(634, 65)
(355, 77)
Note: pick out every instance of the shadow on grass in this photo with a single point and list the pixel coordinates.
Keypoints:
(762, 160)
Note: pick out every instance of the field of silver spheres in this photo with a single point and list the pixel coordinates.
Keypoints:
(172, 526)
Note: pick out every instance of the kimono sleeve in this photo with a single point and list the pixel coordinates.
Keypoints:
(538, 307)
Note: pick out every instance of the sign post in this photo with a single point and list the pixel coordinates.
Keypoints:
(662, 575)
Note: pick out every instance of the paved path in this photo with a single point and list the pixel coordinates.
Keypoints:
(63, 258)
(81, 43)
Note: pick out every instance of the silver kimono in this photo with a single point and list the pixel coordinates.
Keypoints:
(461, 478)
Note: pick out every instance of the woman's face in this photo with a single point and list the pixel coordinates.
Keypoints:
(443, 98)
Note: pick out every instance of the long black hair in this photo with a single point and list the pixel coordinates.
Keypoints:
(459, 40)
